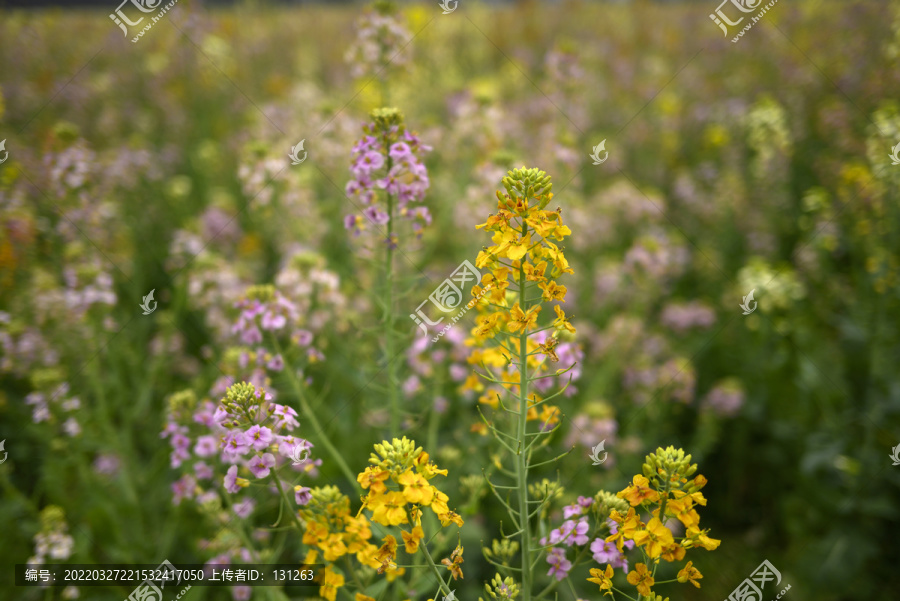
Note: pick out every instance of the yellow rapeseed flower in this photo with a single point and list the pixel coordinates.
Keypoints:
(655, 537)
(522, 320)
(641, 578)
(416, 488)
(388, 509)
(639, 491)
(690, 574)
(411, 539)
(603, 578)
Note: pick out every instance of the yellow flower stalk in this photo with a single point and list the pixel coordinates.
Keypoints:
(665, 491)
(523, 264)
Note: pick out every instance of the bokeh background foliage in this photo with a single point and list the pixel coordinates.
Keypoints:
(758, 165)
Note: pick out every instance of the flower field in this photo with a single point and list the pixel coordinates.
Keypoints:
(451, 302)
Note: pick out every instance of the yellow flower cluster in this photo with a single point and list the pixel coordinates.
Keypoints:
(523, 259)
(664, 491)
(331, 529)
(399, 487)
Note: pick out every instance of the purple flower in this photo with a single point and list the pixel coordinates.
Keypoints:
(244, 508)
(354, 224)
(560, 565)
(369, 162)
(206, 446)
(276, 363)
(271, 321)
(202, 471)
(580, 535)
(259, 436)
(260, 466)
(571, 510)
(231, 480)
(236, 443)
(400, 151)
(302, 495)
(303, 337)
(607, 553)
(183, 488)
(375, 215)
(285, 418)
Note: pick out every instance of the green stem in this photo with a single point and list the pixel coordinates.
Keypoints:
(287, 500)
(437, 574)
(522, 454)
(242, 534)
(389, 312)
(317, 427)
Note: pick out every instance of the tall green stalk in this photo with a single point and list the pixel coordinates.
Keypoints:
(522, 447)
(393, 392)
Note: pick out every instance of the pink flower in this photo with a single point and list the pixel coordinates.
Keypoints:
(259, 436)
(231, 479)
(260, 466)
(285, 418)
(183, 488)
(560, 565)
(203, 471)
(244, 508)
(235, 443)
(399, 151)
(302, 495)
(206, 446)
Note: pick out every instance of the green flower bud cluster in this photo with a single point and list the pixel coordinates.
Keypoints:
(46, 378)
(384, 7)
(328, 502)
(502, 589)
(524, 184)
(244, 400)
(668, 465)
(502, 551)
(396, 456)
(53, 518)
(387, 117)
(182, 404)
(545, 489)
(605, 502)
(264, 293)
(472, 485)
